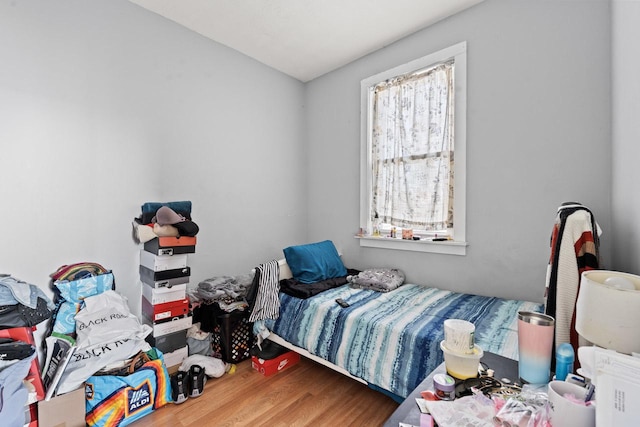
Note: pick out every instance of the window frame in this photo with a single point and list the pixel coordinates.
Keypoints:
(457, 243)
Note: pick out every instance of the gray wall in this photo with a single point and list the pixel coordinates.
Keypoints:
(626, 134)
(538, 134)
(105, 106)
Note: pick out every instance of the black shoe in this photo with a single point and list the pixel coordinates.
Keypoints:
(270, 350)
(197, 379)
(179, 386)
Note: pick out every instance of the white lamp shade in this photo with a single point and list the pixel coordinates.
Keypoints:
(608, 310)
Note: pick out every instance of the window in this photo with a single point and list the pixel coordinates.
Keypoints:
(413, 153)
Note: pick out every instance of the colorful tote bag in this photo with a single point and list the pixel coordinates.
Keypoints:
(119, 400)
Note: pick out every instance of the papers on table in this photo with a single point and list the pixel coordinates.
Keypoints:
(617, 380)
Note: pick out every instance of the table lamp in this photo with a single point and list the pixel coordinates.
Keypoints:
(608, 315)
(608, 310)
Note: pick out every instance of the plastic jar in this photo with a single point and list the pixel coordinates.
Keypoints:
(444, 386)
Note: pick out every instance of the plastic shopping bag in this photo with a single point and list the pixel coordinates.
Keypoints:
(107, 333)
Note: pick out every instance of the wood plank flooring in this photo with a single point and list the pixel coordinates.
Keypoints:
(306, 394)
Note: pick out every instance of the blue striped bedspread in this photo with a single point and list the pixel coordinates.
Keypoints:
(392, 340)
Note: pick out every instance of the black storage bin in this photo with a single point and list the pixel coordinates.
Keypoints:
(232, 336)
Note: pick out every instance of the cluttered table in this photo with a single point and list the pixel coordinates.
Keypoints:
(408, 413)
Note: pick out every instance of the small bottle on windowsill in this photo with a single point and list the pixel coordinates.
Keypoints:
(376, 226)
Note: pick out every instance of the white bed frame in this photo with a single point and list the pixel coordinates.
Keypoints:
(285, 273)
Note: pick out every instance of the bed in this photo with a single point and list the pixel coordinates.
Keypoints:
(390, 341)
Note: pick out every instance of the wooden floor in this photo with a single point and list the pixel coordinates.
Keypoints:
(306, 394)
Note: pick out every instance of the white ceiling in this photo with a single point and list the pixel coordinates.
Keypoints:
(305, 38)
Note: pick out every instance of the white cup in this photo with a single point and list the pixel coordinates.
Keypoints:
(565, 413)
(458, 336)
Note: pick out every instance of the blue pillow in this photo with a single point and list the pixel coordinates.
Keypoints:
(314, 262)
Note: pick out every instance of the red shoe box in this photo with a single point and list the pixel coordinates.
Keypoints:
(164, 311)
(272, 366)
(171, 245)
(26, 335)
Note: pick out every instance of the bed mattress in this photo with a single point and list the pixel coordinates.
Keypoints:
(391, 340)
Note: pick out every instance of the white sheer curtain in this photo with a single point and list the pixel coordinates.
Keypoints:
(412, 149)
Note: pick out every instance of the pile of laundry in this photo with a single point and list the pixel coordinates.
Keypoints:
(22, 307)
(171, 219)
(230, 292)
(22, 304)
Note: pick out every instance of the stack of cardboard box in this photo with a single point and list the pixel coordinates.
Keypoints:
(164, 273)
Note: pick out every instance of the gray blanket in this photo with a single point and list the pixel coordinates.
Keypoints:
(226, 289)
(377, 279)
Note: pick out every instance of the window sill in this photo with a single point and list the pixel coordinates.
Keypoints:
(448, 247)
